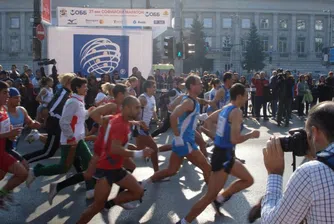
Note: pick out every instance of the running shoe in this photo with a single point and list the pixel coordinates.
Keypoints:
(52, 192)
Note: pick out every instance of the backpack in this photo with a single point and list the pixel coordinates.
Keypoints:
(326, 158)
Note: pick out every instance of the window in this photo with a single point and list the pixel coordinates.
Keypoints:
(301, 24)
(319, 25)
(318, 44)
(226, 41)
(208, 41)
(245, 23)
(264, 23)
(283, 24)
(227, 23)
(282, 44)
(207, 22)
(188, 22)
(265, 44)
(244, 43)
(15, 23)
(14, 44)
(301, 45)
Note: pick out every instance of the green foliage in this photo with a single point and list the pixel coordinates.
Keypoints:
(254, 56)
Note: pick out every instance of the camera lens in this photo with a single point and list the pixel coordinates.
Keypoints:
(296, 142)
(285, 140)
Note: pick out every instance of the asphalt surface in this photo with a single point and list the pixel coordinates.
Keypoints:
(164, 202)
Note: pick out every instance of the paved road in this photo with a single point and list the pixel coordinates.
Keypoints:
(164, 202)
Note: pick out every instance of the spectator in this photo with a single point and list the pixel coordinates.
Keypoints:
(260, 82)
(115, 77)
(244, 82)
(14, 74)
(92, 91)
(322, 89)
(273, 87)
(141, 80)
(301, 90)
(330, 84)
(309, 194)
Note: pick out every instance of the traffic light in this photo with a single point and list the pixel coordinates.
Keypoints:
(169, 47)
(189, 50)
(179, 50)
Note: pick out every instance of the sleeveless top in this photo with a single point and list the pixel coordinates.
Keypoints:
(226, 99)
(187, 122)
(172, 98)
(17, 121)
(223, 132)
(147, 111)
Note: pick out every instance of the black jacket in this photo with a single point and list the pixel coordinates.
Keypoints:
(57, 103)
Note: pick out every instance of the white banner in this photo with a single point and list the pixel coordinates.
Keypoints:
(100, 51)
(100, 17)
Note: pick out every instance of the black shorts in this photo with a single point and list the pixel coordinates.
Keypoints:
(112, 176)
(14, 153)
(139, 132)
(222, 159)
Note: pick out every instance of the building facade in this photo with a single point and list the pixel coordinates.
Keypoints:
(293, 33)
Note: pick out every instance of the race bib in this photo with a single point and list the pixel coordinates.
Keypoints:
(5, 126)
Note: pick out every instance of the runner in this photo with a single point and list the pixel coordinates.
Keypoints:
(184, 122)
(223, 162)
(74, 149)
(110, 165)
(143, 137)
(55, 108)
(7, 162)
(18, 118)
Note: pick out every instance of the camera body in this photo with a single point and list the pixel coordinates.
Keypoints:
(296, 142)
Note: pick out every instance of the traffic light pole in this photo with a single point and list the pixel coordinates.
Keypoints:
(178, 63)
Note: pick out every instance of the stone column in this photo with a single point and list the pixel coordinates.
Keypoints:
(218, 29)
(293, 34)
(311, 37)
(22, 31)
(3, 28)
(275, 32)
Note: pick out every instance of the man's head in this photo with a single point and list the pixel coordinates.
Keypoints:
(274, 73)
(3, 93)
(330, 74)
(239, 94)
(262, 75)
(3, 75)
(194, 84)
(131, 107)
(319, 128)
(228, 79)
(150, 87)
(235, 77)
(120, 92)
(79, 86)
(14, 97)
(134, 70)
(13, 68)
(25, 68)
(66, 79)
(179, 82)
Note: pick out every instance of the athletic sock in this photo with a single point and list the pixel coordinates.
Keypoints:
(109, 204)
(75, 179)
(183, 221)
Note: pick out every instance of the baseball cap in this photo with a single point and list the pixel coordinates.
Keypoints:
(14, 92)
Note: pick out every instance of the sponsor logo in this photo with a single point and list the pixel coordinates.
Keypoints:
(134, 22)
(122, 71)
(141, 22)
(159, 21)
(166, 13)
(118, 21)
(153, 14)
(63, 12)
(101, 21)
(90, 21)
(72, 21)
(78, 12)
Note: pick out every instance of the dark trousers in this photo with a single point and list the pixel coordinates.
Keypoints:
(165, 126)
(274, 107)
(284, 109)
(51, 145)
(245, 109)
(260, 102)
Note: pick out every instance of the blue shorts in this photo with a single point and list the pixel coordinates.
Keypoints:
(185, 150)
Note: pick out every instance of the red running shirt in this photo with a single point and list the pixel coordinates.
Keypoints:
(4, 127)
(118, 129)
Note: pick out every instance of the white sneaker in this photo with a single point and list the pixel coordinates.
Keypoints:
(129, 206)
(52, 192)
(32, 136)
(31, 177)
(90, 194)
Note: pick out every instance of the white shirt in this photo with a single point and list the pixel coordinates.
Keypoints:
(309, 194)
(148, 110)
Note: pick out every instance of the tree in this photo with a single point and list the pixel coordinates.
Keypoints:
(254, 55)
(197, 38)
(156, 52)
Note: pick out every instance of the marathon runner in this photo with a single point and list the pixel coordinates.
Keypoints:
(229, 122)
(110, 167)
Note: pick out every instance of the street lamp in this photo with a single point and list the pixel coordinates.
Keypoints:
(330, 26)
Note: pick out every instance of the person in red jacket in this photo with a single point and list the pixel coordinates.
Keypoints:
(260, 82)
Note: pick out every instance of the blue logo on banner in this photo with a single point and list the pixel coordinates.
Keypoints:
(331, 55)
(100, 54)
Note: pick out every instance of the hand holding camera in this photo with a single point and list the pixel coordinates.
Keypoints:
(273, 156)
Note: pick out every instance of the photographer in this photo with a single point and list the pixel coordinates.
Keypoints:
(309, 193)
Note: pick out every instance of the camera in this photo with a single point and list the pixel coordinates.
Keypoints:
(296, 142)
